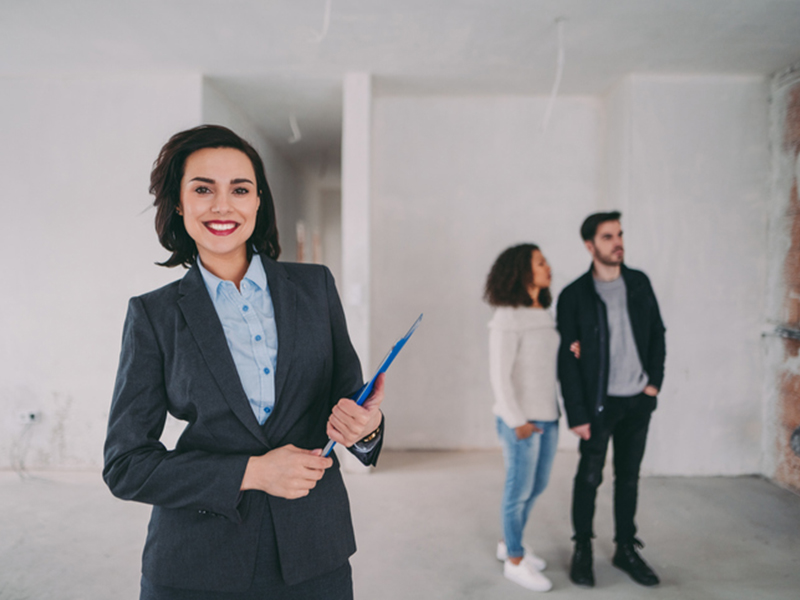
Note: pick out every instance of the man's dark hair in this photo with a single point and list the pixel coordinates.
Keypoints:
(165, 185)
(510, 276)
(592, 222)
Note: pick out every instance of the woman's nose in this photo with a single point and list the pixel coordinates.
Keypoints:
(221, 204)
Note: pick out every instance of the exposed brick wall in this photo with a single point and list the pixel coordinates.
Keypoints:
(788, 410)
(792, 123)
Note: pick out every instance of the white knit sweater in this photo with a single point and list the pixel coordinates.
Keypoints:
(523, 347)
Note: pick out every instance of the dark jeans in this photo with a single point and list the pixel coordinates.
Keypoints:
(626, 421)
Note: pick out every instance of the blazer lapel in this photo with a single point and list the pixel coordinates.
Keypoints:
(204, 324)
(284, 301)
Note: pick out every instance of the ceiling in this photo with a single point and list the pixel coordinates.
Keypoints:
(283, 58)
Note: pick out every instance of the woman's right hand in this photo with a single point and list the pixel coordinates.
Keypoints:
(525, 431)
(286, 472)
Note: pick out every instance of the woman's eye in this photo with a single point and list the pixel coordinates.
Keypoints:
(201, 189)
(241, 191)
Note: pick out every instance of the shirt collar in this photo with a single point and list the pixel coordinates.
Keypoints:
(255, 274)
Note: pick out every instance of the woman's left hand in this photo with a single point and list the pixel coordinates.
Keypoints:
(350, 422)
(525, 431)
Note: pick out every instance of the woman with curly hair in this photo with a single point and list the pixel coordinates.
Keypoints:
(523, 344)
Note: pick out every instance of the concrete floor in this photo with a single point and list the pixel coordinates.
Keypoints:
(427, 525)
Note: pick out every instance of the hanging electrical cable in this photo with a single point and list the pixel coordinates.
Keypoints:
(559, 71)
(326, 21)
(296, 135)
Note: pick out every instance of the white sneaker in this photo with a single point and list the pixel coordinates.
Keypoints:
(528, 578)
(530, 558)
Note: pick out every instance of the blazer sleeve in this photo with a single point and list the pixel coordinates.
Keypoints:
(568, 368)
(137, 465)
(347, 375)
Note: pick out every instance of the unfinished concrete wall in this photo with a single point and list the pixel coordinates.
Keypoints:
(455, 181)
(283, 177)
(782, 425)
(687, 162)
(75, 157)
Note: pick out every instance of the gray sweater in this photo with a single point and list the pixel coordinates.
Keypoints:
(626, 377)
(523, 347)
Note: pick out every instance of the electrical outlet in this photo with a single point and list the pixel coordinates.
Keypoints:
(30, 416)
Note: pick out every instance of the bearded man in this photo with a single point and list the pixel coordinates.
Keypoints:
(611, 366)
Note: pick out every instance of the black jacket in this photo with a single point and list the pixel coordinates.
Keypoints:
(581, 315)
(175, 359)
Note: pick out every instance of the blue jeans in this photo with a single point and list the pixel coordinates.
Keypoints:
(528, 465)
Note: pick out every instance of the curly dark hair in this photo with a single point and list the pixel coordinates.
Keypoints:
(165, 185)
(510, 276)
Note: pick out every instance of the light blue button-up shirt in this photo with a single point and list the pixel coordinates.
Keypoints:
(248, 320)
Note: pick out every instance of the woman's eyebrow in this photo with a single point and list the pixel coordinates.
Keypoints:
(233, 181)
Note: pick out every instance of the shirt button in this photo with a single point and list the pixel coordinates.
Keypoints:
(266, 370)
(268, 410)
(258, 338)
(245, 308)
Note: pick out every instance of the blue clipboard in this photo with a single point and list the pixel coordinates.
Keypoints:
(365, 391)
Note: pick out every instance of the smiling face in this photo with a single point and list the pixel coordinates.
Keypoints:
(219, 205)
(607, 247)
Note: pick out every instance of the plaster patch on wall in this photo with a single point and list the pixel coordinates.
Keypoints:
(791, 140)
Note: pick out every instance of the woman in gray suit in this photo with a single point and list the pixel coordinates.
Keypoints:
(255, 357)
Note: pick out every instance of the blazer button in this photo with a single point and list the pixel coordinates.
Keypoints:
(203, 512)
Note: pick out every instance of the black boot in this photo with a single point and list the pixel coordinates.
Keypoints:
(581, 572)
(627, 558)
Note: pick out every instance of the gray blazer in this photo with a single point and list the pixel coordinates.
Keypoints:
(203, 531)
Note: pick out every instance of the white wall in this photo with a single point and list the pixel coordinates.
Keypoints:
(283, 177)
(75, 159)
(357, 232)
(688, 160)
(455, 181)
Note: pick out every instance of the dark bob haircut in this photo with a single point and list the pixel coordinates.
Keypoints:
(592, 222)
(511, 274)
(165, 185)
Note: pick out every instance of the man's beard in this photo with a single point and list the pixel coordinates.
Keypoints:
(608, 259)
